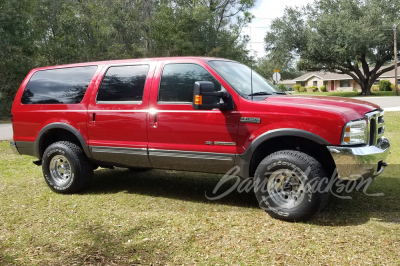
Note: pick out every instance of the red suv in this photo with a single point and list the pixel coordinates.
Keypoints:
(195, 114)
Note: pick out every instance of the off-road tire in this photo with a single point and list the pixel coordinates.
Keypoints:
(69, 158)
(298, 200)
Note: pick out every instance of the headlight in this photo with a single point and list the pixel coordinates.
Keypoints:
(355, 132)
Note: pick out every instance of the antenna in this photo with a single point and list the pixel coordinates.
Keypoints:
(251, 69)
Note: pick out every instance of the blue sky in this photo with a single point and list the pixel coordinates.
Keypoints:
(265, 11)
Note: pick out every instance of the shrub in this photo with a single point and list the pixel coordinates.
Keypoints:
(322, 88)
(392, 87)
(282, 87)
(302, 89)
(312, 89)
(375, 88)
(296, 88)
(384, 85)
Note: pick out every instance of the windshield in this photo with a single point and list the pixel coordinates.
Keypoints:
(239, 77)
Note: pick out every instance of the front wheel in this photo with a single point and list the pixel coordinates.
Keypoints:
(291, 186)
(66, 168)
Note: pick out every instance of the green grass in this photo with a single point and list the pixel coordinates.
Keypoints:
(163, 217)
(347, 94)
(5, 121)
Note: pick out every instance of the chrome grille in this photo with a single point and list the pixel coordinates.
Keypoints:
(376, 126)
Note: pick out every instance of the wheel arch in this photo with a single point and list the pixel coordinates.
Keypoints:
(280, 139)
(58, 132)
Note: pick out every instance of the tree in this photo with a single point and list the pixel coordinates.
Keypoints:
(265, 66)
(201, 27)
(352, 37)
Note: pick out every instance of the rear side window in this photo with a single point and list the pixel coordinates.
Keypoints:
(58, 86)
(123, 83)
(177, 82)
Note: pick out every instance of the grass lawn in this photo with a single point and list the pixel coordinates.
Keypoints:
(163, 217)
(347, 94)
(5, 121)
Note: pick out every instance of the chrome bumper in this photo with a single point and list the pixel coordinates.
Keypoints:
(355, 162)
(13, 146)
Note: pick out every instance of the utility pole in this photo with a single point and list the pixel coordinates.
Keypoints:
(396, 82)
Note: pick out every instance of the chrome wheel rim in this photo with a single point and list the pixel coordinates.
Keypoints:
(60, 169)
(286, 188)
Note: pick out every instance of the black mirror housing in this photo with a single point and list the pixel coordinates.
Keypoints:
(206, 98)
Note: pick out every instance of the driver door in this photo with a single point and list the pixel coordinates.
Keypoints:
(180, 137)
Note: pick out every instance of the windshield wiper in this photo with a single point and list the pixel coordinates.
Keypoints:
(260, 93)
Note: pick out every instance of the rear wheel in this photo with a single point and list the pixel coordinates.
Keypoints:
(291, 186)
(66, 168)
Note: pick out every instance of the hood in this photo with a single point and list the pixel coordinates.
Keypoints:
(352, 108)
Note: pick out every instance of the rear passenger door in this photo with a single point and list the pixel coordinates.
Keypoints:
(117, 115)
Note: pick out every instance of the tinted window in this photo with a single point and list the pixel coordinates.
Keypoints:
(123, 83)
(177, 82)
(56, 86)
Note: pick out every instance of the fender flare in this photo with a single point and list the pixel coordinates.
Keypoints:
(243, 160)
(36, 144)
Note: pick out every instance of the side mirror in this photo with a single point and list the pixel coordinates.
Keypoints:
(206, 98)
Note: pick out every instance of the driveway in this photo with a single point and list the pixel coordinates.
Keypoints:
(6, 132)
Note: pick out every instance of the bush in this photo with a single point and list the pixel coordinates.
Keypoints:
(392, 87)
(296, 88)
(5, 108)
(282, 87)
(312, 89)
(322, 88)
(375, 88)
(302, 89)
(384, 85)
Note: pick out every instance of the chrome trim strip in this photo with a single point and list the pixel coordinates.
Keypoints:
(223, 143)
(119, 102)
(192, 155)
(375, 116)
(133, 151)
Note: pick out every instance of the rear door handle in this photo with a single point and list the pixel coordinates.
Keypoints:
(92, 118)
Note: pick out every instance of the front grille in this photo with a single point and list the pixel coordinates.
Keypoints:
(376, 126)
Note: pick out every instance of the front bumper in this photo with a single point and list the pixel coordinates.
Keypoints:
(353, 163)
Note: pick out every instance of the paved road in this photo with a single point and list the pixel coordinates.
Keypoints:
(387, 103)
(6, 132)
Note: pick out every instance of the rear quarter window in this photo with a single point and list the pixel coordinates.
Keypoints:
(58, 86)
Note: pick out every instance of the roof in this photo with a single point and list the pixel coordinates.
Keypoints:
(133, 60)
(323, 75)
(287, 82)
(334, 76)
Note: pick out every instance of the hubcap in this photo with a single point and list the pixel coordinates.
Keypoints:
(286, 188)
(60, 169)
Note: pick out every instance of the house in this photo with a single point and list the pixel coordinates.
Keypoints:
(288, 83)
(336, 82)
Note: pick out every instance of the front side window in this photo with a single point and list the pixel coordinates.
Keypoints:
(58, 86)
(242, 78)
(315, 83)
(177, 82)
(123, 83)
